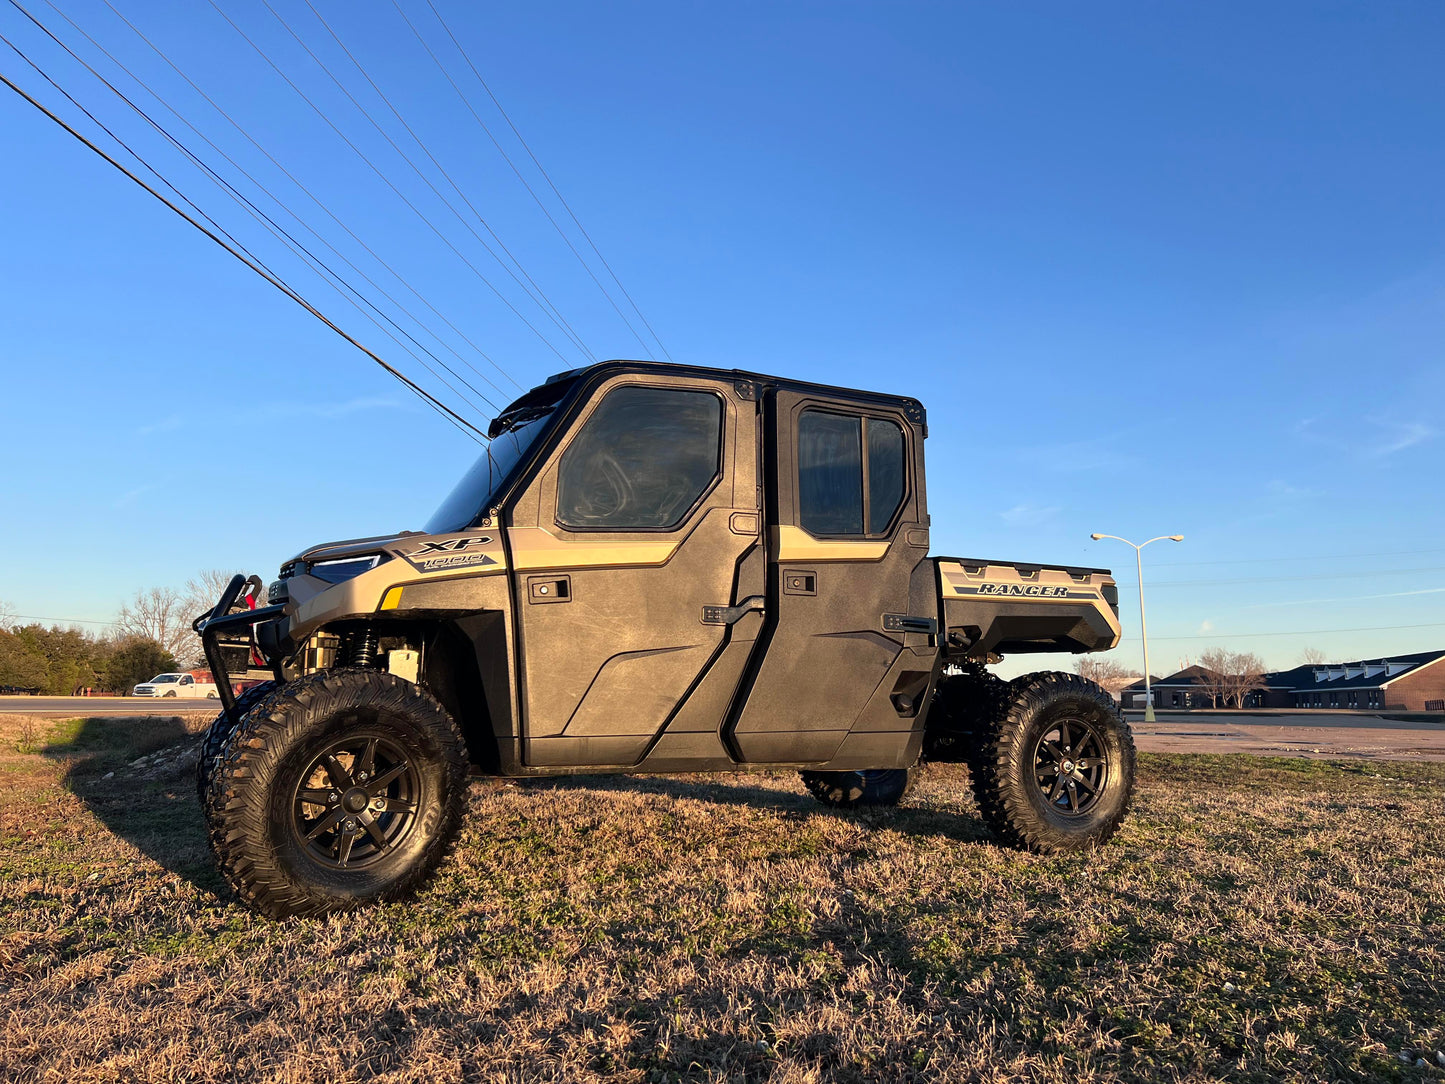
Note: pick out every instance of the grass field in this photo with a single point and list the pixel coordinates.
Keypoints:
(1256, 919)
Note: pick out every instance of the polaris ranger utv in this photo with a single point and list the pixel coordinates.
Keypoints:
(653, 568)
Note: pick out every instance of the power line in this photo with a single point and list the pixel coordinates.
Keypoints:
(269, 223)
(1297, 557)
(67, 620)
(555, 314)
(387, 181)
(1289, 579)
(525, 184)
(255, 266)
(1298, 632)
(548, 179)
(314, 199)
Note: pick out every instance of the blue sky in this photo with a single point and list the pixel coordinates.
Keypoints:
(1152, 268)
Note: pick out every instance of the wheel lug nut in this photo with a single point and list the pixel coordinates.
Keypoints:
(349, 824)
(333, 797)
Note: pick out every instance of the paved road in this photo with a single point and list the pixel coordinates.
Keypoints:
(72, 707)
(1318, 734)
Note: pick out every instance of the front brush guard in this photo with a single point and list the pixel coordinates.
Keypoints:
(219, 620)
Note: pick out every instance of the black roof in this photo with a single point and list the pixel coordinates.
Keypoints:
(1290, 679)
(1302, 678)
(1190, 675)
(557, 386)
(1138, 686)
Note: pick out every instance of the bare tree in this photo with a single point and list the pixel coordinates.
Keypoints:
(7, 615)
(1109, 673)
(203, 589)
(1213, 681)
(1312, 656)
(160, 614)
(164, 614)
(1232, 675)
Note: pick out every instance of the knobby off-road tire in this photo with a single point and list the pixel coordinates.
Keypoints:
(345, 788)
(213, 745)
(1056, 772)
(845, 790)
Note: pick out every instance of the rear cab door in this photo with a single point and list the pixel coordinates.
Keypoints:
(847, 656)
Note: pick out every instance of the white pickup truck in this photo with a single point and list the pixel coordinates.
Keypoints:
(191, 685)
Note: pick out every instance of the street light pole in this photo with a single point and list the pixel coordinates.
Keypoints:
(1143, 627)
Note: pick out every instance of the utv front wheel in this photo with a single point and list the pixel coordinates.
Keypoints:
(1055, 772)
(845, 790)
(345, 789)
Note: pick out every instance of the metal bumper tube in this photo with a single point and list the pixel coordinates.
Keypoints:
(219, 621)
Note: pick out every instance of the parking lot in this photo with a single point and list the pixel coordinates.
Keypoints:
(1316, 734)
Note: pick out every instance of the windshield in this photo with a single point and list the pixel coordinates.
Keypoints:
(474, 492)
(163, 679)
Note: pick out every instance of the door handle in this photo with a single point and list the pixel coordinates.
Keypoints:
(731, 615)
(542, 589)
(797, 581)
(908, 623)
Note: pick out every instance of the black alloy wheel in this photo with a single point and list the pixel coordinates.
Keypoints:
(344, 788)
(1071, 766)
(356, 801)
(1055, 771)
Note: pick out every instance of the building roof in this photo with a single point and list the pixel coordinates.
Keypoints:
(1138, 686)
(1294, 678)
(1189, 677)
(1374, 673)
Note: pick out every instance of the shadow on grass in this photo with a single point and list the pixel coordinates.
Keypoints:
(908, 819)
(151, 807)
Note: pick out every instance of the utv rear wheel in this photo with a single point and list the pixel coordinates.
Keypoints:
(1056, 772)
(213, 745)
(345, 789)
(846, 790)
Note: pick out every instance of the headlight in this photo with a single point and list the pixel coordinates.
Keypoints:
(344, 568)
(277, 593)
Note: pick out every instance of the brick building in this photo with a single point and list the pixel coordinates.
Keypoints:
(1414, 682)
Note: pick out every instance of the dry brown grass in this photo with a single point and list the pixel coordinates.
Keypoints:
(1256, 919)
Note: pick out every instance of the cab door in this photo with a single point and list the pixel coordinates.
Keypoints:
(627, 553)
(843, 663)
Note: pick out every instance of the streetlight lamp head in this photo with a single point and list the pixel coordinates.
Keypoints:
(1176, 538)
(1096, 537)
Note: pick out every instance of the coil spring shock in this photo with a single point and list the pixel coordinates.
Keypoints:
(361, 647)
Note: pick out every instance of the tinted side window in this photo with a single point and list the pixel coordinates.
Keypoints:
(830, 473)
(642, 460)
(835, 454)
(886, 473)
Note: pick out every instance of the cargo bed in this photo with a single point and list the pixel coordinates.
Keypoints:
(1012, 607)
